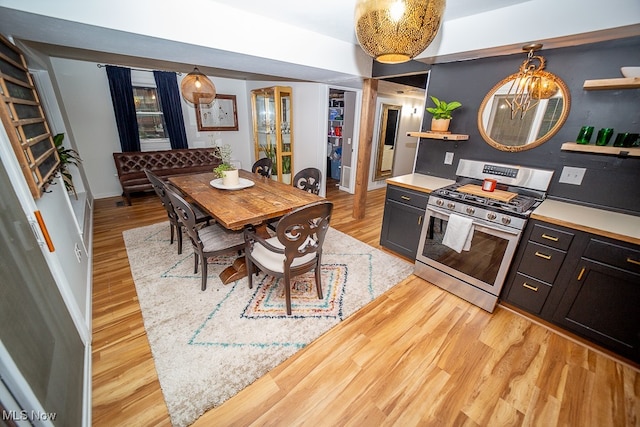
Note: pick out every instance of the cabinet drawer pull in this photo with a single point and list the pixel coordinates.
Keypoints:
(581, 273)
(633, 261)
(420, 220)
(528, 286)
(553, 239)
(405, 197)
(538, 254)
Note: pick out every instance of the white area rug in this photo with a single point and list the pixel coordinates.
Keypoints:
(207, 346)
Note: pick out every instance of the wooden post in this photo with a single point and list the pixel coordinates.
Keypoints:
(367, 119)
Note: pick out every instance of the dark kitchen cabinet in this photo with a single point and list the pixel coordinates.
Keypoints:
(581, 282)
(402, 221)
(602, 299)
(537, 264)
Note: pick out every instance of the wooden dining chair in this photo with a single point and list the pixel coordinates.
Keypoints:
(295, 249)
(160, 188)
(263, 167)
(308, 180)
(208, 241)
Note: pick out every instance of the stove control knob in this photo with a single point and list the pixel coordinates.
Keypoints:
(492, 216)
(470, 210)
(451, 205)
(439, 202)
(506, 220)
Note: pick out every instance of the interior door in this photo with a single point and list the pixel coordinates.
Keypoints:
(39, 341)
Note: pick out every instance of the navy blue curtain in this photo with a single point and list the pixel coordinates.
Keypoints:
(124, 108)
(167, 85)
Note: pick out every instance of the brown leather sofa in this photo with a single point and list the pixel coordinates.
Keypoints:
(166, 163)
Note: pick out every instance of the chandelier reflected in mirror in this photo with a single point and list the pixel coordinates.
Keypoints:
(395, 31)
(196, 88)
(530, 85)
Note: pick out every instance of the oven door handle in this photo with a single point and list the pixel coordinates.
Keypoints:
(477, 222)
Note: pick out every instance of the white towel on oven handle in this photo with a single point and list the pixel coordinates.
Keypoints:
(459, 233)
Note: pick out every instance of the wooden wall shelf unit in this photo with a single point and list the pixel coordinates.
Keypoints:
(604, 84)
(443, 136)
(616, 151)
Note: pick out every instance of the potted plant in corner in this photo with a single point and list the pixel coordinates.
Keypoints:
(68, 156)
(441, 114)
(226, 170)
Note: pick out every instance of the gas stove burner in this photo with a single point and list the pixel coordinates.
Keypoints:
(520, 204)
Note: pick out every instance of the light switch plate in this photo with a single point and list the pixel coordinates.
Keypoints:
(448, 158)
(571, 175)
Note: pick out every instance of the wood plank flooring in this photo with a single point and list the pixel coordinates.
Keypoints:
(415, 356)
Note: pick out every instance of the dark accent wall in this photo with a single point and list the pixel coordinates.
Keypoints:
(610, 181)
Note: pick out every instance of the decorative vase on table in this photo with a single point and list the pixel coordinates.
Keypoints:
(230, 178)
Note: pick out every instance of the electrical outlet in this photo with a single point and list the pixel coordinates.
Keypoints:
(572, 175)
(448, 158)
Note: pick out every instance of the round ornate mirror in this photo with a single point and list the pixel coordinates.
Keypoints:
(506, 131)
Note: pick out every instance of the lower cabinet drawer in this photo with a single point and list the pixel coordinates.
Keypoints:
(528, 293)
(541, 262)
(622, 257)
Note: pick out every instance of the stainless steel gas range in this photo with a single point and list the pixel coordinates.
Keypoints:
(469, 235)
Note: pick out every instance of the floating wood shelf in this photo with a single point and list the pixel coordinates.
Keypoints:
(597, 149)
(604, 84)
(436, 135)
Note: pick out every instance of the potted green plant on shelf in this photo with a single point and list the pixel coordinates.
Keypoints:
(68, 156)
(270, 152)
(286, 169)
(226, 170)
(441, 114)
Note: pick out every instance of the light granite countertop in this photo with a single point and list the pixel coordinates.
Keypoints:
(591, 220)
(419, 182)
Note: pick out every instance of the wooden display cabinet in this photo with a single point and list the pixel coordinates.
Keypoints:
(273, 129)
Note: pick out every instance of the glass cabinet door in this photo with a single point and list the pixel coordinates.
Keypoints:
(272, 129)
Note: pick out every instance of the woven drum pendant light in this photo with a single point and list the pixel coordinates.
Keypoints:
(395, 31)
(196, 88)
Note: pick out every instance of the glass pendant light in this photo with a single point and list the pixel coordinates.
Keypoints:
(196, 88)
(395, 31)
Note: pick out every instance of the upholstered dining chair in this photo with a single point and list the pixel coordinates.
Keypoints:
(263, 167)
(208, 241)
(176, 226)
(295, 249)
(308, 180)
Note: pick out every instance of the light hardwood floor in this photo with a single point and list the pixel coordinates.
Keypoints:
(415, 356)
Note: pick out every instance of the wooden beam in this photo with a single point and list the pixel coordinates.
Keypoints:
(369, 95)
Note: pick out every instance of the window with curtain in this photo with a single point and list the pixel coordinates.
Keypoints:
(152, 127)
(148, 109)
(151, 122)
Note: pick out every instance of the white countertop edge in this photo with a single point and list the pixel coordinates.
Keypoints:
(592, 218)
(420, 181)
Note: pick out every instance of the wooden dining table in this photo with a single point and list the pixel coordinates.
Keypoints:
(236, 209)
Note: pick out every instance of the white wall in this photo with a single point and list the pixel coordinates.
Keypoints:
(86, 98)
(84, 89)
(405, 146)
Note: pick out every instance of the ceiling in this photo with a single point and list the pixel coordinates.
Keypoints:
(59, 30)
(334, 18)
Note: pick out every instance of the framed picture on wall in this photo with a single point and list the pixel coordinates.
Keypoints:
(220, 114)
